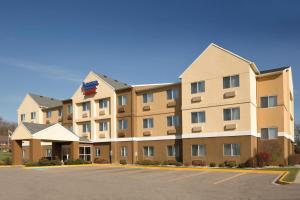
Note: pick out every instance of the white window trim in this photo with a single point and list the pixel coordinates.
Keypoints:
(198, 150)
(123, 101)
(230, 77)
(148, 123)
(269, 133)
(103, 122)
(268, 106)
(148, 151)
(198, 118)
(198, 87)
(231, 114)
(172, 94)
(98, 151)
(231, 150)
(122, 124)
(124, 151)
(173, 151)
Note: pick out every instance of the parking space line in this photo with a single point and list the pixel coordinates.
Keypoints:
(188, 176)
(229, 178)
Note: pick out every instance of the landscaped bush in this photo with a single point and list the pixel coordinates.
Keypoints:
(294, 159)
(100, 161)
(263, 158)
(2, 162)
(199, 163)
(147, 162)
(251, 163)
(212, 164)
(230, 164)
(6, 161)
(76, 162)
(123, 162)
(171, 162)
(241, 165)
(42, 162)
(221, 165)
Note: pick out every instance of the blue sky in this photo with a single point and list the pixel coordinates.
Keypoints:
(49, 47)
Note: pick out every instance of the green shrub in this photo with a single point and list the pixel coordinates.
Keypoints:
(263, 158)
(55, 162)
(44, 162)
(31, 164)
(212, 164)
(2, 162)
(251, 163)
(171, 162)
(199, 163)
(281, 165)
(147, 162)
(241, 165)
(294, 159)
(76, 162)
(230, 164)
(221, 165)
(123, 162)
(100, 161)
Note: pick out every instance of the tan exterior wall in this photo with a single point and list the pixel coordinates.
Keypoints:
(67, 117)
(104, 151)
(27, 106)
(54, 118)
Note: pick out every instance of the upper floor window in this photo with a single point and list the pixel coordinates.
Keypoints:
(86, 106)
(147, 97)
(70, 108)
(48, 114)
(86, 127)
(231, 114)
(103, 103)
(124, 151)
(33, 115)
(198, 150)
(148, 151)
(122, 100)
(269, 133)
(148, 123)
(103, 126)
(172, 94)
(22, 117)
(198, 87)
(231, 81)
(172, 120)
(268, 101)
(122, 124)
(198, 117)
(232, 149)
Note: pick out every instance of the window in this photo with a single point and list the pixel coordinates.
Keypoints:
(231, 114)
(33, 115)
(86, 106)
(147, 97)
(172, 150)
(269, 133)
(124, 151)
(70, 108)
(172, 120)
(59, 112)
(268, 101)
(85, 153)
(103, 126)
(98, 152)
(86, 127)
(231, 81)
(49, 153)
(22, 117)
(122, 124)
(172, 94)
(122, 100)
(198, 150)
(48, 114)
(148, 123)
(103, 103)
(198, 87)
(232, 149)
(198, 117)
(148, 151)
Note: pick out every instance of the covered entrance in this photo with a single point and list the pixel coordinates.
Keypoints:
(65, 144)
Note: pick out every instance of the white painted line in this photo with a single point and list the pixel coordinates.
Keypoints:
(229, 178)
(188, 176)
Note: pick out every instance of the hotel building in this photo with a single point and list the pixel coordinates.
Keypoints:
(221, 109)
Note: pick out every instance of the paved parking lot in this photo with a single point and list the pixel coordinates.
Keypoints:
(80, 183)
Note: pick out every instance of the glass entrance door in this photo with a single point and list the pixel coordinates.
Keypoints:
(65, 152)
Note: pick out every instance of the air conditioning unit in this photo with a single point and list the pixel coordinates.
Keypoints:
(197, 129)
(196, 99)
(171, 104)
(147, 133)
(146, 108)
(101, 112)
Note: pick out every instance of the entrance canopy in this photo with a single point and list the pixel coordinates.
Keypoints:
(48, 132)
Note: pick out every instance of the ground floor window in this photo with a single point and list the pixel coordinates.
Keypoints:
(85, 153)
(148, 151)
(172, 150)
(98, 152)
(232, 149)
(124, 151)
(269, 133)
(49, 153)
(198, 150)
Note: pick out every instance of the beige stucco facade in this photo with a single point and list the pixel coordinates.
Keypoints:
(27, 107)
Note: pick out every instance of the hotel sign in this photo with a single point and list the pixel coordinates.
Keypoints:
(89, 87)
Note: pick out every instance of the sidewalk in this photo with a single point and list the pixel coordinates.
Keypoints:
(297, 180)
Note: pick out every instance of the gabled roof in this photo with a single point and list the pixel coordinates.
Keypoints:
(34, 128)
(46, 102)
(274, 70)
(117, 85)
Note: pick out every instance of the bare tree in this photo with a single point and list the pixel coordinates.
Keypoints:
(5, 126)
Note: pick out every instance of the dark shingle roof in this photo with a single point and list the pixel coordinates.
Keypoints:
(274, 70)
(34, 128)
(117, 85)
(46, 102)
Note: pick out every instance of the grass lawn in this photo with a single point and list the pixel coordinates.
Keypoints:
(293, 171)
(4, 155)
